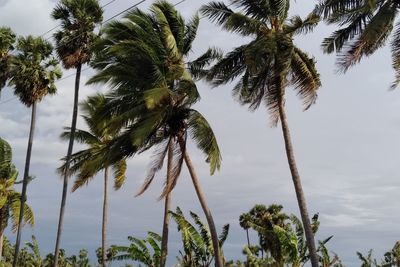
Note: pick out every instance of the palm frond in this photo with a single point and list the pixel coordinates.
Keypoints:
(119, 169)
(205, 139)
(305, 77)
(156, 165)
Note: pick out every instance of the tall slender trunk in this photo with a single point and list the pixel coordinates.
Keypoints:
(105, 219)
(25, 184)
(167, 207)
(248, 238)
(206, 209)
(67, 162)
(297, 184)
(1, 245)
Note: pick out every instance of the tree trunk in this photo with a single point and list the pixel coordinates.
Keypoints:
(25, 184)
(248, 238)
(1, 245)
(206, 210)
(297, 184)
(67, 162)
(167, 207)
(105, 219)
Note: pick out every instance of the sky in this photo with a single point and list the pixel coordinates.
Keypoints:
(346, 145)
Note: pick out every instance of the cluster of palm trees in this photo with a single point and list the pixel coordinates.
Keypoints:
(143, 60)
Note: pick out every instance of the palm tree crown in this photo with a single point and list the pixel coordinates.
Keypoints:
(270, 55)
(34, 71)
(78, 21)
(364, 27)
(88, 162)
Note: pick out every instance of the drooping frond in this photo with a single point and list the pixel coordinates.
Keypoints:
(156, 165)
(396, 55)
(190, 34)
(176, 168)
(305, 77)
(201, 132)
(119, 169)
(373, 36)
(15, 202)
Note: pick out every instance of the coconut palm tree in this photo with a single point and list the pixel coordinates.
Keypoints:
(10, 200)
(143, 58)
(364, 27)
(7, 40)
(266, 66)
(78, 20)
(33, 73)
(86, 162)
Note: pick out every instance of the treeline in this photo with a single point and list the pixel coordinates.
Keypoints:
(143, 60)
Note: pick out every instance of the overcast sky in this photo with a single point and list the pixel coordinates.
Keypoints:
(347, 149)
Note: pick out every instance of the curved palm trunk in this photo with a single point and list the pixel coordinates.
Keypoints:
(25, 184)
(206, 210)
(105, 220)
(68, 159)
(248, 238)
(297, 184)
(167, 207)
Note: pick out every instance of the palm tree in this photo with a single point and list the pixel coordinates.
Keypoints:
(33, 73)
(86, 161)
(364, 27)
(7, 39)
(73, 44)
(267, 65)
(10, 200)
(143, 58)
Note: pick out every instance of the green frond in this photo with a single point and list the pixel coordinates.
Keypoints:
(198, 66)
(119, 169)
(205, 139)
(373, 36)
(217, 12)
(298, 26)
(80, 136)
(305, 77)
(224, 234)
(15, 202)
(229, 67)
(190, 34)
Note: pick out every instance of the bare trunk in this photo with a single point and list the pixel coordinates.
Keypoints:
(297, 184)
(206, 210)
(1, 245)
(68, 159)
(248, 238)
(167, 207)
(105, 220)
(25, 184)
